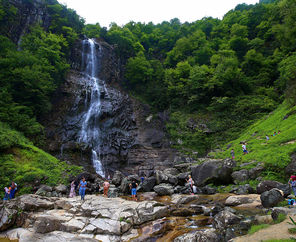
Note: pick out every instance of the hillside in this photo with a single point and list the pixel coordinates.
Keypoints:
(274, 153)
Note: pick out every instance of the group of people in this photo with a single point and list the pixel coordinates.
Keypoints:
(274, 134)
(10, 191)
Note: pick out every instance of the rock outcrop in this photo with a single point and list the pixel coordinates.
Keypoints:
(96, 218)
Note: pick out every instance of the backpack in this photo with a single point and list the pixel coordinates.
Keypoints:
(291, 201)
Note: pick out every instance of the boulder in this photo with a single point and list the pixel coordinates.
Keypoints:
(113, 192)
(213, 171)
(48, 223)
(148, 184)
(61, 189)
(208, 235)
(182, 178)
(184, 167)
(117, 178)
(240, 176)
(208, 190)
(124, 186)
(43, 190)
(291, 168)
(183, 189)
(171, 172)
(179, 199)
(271, 198)
(31, 202)
(7, 217)
(256, 171)
(164, 189)
(225, 219)
(162, 177)
(268, 185)
(243, 189)
(238, 200)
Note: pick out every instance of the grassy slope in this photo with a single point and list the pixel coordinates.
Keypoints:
(24, 163)
(275, 153)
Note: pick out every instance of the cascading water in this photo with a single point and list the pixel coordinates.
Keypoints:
(90, 132)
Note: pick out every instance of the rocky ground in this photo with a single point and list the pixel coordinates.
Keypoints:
(218, 217)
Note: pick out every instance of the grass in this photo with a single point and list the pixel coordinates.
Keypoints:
(255, 228)
(275, 153)
(292, 230)
(280, 218)
(24, 163)
(280, 240)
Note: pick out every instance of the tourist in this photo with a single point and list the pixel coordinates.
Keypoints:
(292, 182)
(191, 182)
(244, 146)
(133, 187)
(7, 194)
(72, 189)
(267, 137)
(279, 132)
(13, 190)
(142, 179)
(82, 188)
(232, 154)
(274, 134)
(106, 186)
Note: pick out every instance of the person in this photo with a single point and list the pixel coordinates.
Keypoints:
(72, 190)
(133, 187)
(267, 137)
(12, 190)
(191, 183)
(232, 154)
(274, 133)
(7, 194)
(292, 182)
(279, 132)
(142, 179)
(82, 188)
(106, 186)
(245, 148)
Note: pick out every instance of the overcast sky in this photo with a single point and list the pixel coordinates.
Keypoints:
(122, 11)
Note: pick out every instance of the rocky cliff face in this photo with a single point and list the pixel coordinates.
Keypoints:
(28, 13)
(132, 139)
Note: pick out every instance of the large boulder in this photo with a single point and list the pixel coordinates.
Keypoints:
(164, 189)
(256, 171)
(240, 176)
(225, 219)
(242, 189)
(148, 184)
(171, 172)
(61, 189)
(271, 198)
(268, 185)
(162, 177)
(117, 178)
(7, 217)
(213, 171)
(182, 178)
(208, 235)
(124, 186)
(44, 190)
(291, 168)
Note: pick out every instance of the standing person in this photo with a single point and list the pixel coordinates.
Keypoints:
(292, 182)
(142, 179)
(106, 186)
(245, 148)
(232, 154)
(82, 188)
(13, 189)
(72, 190)
(191, 182)
(274, 133)
(7, 194)
(133, 187)
(267, 137)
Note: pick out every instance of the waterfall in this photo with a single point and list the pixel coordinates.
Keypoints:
(90, 131)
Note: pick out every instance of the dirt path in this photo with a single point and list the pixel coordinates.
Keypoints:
(277, 231)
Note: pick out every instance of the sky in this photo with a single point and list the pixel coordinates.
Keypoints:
(121, 12)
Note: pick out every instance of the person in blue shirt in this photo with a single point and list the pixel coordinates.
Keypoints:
(82, 188)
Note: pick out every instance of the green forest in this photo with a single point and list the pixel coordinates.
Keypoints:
(215, 77)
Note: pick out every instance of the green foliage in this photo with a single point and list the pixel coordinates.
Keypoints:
(255, 228)
(26, 164)
(280, 218)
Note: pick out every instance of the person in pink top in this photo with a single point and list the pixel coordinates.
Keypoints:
(106, 186)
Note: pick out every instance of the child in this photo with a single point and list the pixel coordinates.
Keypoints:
(292, 182)
(232, 154)
(7, 194)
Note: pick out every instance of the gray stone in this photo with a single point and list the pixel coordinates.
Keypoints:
(268, 185)
(271, 198)
(7, 217)
(224, 220)
(61, 189)
(113, 192)
(43, 190)
(148, 184)
(164, 189)
(208, 235)
(240, 176)
(213, 171)
(117, 178)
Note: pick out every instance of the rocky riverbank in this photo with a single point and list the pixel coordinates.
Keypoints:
(218, 217)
